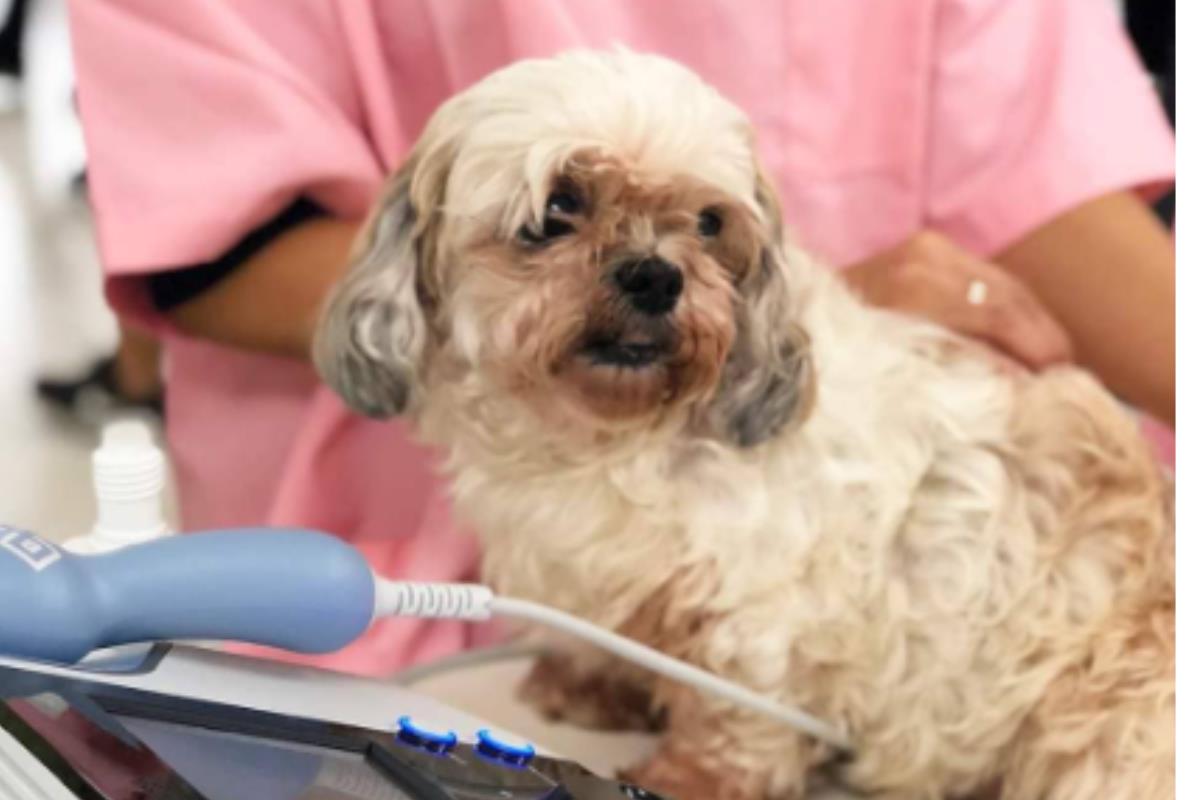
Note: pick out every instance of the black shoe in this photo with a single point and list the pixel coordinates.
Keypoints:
(90, 397)
(12, 30)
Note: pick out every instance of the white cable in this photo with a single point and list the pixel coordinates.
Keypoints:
(468, 601)
(683, 672)
(478, 603)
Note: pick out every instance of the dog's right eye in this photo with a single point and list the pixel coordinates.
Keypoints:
(563, 202)
(552, 228)
(558, 204)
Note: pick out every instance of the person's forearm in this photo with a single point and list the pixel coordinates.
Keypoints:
(271, 303)
(1107, 271)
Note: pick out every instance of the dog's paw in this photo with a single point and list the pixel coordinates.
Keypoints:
(559, 692)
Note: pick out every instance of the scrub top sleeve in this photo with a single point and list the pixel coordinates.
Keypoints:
(1037, 106)
(199, 130)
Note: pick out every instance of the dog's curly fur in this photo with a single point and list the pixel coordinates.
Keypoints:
(972, 572)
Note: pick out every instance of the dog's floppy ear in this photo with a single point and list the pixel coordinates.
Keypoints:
(371, 341)
(769, 380)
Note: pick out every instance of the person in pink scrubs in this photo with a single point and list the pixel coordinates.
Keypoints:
(984, 163)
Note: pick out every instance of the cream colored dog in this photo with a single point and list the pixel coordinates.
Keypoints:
(661, 417)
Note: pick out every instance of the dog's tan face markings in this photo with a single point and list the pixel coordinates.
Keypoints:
(650, 285)
(569, 327)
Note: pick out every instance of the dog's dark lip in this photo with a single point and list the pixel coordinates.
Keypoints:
(633, 353)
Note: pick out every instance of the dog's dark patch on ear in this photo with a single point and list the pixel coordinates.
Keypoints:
(772, 397)
(374, 387)
(769, 380)
(372, 391)
(370, 344)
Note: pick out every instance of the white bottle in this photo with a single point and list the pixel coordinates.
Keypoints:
(129, 474)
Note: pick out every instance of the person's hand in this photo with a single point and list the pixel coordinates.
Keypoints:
(930, 276)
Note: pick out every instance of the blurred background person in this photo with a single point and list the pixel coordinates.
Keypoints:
(36, 65)
(54, 322)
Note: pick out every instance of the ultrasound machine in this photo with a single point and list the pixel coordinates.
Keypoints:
(105, 693)
(172, 722)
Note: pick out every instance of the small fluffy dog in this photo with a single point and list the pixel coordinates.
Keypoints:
(660, 416)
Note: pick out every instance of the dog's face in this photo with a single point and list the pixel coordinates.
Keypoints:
(587, 234)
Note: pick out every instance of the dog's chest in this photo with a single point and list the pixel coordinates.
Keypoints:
(598, 540)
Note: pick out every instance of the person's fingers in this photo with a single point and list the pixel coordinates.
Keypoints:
(1001, 360)
(925, 288)
(1027, 337)
(932, 277)
(1052, 333)
(1010, 317)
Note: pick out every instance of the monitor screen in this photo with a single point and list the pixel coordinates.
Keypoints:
(90, 762)
(230, 766)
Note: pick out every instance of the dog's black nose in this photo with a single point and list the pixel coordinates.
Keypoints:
(652, 285)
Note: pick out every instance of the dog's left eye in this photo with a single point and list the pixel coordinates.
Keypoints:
(710, 222)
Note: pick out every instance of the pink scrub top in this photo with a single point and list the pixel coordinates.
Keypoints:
(981, 119)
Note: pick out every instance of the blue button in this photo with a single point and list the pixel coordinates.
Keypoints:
(493, 749)
(430, 741)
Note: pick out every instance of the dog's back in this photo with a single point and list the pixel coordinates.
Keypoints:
(1105, 727)
(1030, 589)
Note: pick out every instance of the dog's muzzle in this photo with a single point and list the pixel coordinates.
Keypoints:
(639, 331)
